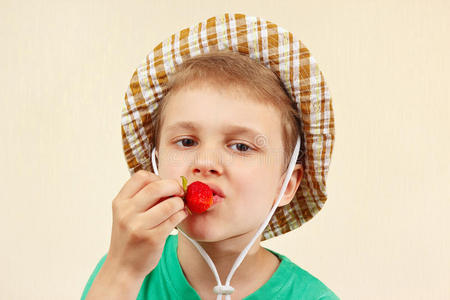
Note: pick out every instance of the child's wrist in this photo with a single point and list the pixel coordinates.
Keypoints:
(117, 283)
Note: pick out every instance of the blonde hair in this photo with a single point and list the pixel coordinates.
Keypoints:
(226, 68)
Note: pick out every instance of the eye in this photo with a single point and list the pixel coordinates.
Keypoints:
(243, 147)
(185, 142)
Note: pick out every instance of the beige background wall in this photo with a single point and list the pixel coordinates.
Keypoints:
(65, 66)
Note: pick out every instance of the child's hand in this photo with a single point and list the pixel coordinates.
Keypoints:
(145, 211)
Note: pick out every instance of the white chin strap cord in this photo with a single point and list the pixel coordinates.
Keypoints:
(227, 289)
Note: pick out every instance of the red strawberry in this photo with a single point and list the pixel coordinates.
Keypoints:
(198, 196)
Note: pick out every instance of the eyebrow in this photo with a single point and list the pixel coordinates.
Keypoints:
(230, 129)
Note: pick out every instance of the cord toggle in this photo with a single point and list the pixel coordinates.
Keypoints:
(223, 289)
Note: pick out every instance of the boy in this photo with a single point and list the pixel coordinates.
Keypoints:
(212, 104)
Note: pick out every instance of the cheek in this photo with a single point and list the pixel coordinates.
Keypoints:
(255, 191)
(170, 163)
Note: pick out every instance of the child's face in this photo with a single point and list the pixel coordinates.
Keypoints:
(246, 166)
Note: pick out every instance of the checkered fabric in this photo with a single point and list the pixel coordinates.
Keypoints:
(273, 47)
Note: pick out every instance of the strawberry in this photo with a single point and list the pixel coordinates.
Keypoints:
(198, 196)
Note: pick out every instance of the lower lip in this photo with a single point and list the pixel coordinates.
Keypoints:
(217, 199)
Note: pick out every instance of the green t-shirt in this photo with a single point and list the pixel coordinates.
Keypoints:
(167, 281)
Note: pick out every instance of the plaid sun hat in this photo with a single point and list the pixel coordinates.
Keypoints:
(275, 48)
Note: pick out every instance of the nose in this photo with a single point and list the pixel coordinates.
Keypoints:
(207, 162)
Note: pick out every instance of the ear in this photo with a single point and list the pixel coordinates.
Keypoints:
(293, 184)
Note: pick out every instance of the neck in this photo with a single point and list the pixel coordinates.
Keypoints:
(223, 253)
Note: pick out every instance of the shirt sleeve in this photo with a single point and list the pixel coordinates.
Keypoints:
(92, 277)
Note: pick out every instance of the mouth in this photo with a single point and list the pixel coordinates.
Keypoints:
(218, 195)
(217, 199)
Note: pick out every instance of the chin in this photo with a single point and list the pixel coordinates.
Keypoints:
(199, 229)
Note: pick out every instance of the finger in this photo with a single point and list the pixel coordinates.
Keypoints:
(155, 192)
(136, 182)
(161, 212)
(166, 227)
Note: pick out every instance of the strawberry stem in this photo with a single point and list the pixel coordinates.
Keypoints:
(185, 190)
(184, 183)
(189, 211)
